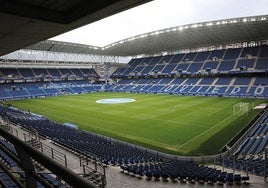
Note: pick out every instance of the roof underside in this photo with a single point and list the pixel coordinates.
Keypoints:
(26, 22)
(193, 36)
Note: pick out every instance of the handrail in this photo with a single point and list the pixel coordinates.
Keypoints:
(45, 149)
(54, 154)
(4, 168)
(63, 173)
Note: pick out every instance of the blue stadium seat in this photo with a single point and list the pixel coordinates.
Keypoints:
(245, 63)
(226, 65)
(264, 51)
(189, 56)
(211, 65)
(202, 56)
(252, 51)
(262, 64)
(176, 59)
(232, 53)
(218, 54)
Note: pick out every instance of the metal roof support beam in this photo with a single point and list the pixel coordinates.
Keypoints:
(32, 11)
(27, 166)
(50, 56)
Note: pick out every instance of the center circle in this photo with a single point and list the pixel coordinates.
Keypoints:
(115, 101)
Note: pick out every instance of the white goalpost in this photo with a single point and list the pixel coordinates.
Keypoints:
(240, 108)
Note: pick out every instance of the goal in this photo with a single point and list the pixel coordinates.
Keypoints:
(240, 108)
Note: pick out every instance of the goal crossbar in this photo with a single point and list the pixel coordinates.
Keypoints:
(240, 108)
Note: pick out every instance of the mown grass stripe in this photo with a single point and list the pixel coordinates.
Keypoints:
(169, 123)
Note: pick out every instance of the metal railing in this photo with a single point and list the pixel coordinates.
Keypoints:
(33, 139)
(91, 164)
(26, 153)
(54, 154)
(93, 175)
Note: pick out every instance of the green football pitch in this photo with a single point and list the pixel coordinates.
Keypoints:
(185, 125)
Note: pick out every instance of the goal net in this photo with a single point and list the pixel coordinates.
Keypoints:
(240, 108)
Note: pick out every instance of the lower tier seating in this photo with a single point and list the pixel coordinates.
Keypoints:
(219, 86)
(12, 168)
(45, 89)
(132, 159)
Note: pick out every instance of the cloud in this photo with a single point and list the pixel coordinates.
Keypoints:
(160, 14)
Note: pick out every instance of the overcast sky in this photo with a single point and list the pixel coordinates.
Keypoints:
(160, 14)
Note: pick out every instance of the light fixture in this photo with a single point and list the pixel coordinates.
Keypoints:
(209, 24)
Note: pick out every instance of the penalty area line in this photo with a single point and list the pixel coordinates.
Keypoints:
(216, 125)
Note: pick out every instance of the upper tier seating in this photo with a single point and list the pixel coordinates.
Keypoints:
(264, 51)
(202, 56)
(245, 63)
(9, 72)
(26, 72)
(218, 54)
(250, 51)
(40, 72)
(32, 90)
(262, 64)
(45, 72)
(225, 67)
(232, 53)
(54, 72)
(225, 60)
(189, 57)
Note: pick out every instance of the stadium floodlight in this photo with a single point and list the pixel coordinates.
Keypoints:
(245, 20)
(131, 39)
(181, 28)
(142, 36)
(194, 26)
(232, 21)
(209, 24)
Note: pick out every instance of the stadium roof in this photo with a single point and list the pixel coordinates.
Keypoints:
(192, 36)
(26, 22)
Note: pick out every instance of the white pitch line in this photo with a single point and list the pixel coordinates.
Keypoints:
(180, 122)
(205, 131)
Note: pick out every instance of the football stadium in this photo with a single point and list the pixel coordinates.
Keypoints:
(184, 106)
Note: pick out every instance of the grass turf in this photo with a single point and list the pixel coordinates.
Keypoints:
(185, 125)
